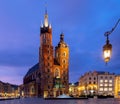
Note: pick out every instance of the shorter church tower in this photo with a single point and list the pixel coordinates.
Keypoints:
(62, 59)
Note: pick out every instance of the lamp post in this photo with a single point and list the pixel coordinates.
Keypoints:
(107, 48)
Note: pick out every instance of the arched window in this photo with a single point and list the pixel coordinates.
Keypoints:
(44, 38)
(48, 57)
(64, 53)
(48, 64)
(64, 61)
(48, 51)
(57, 73)
(48, 70)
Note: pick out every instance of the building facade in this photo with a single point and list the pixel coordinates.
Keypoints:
(73, 89)
(117, 86)
(49, 77)
(9, 90)
(88, 83)
(97, 83)
(106, 82)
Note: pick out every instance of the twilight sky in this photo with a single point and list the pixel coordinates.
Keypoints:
(83, 23)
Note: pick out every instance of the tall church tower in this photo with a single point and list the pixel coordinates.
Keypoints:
(62, 57)
(46, 59)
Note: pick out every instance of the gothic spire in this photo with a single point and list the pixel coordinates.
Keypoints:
(46, 19)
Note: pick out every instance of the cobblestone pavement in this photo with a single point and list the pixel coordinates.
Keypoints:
(42, 101)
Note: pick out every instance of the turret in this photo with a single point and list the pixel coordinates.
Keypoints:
(62, 51)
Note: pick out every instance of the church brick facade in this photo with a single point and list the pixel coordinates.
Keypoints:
(49, 77)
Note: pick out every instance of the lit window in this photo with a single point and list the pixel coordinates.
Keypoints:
(57, 73)
(106, 80)
(101, 80)
(101, 89)
(106, 85)
(105, 89)
(110, 84)
(101, 84)
(110, 81)
(110, 89)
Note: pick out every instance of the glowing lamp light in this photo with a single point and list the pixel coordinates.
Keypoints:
(107, 51)
(107, 48)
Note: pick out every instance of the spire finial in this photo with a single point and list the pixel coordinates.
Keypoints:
(62, 37)
(46, 17)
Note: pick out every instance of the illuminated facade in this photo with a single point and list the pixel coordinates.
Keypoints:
(73, 90)
(117, 86)
(9, 90)
(88, 83)
(49, 77)
(106, 83)
(97, 83)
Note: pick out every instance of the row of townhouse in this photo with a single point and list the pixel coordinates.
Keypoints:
(97, 83)
(9, 90)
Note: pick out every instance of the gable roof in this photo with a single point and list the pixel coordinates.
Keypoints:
(32, 69)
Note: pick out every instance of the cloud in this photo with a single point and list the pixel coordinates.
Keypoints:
(83, 22)
(12, 74)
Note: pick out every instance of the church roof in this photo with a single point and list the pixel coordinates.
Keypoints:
(62, 43)
(32, 69)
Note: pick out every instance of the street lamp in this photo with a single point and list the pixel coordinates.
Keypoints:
(107, 48)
